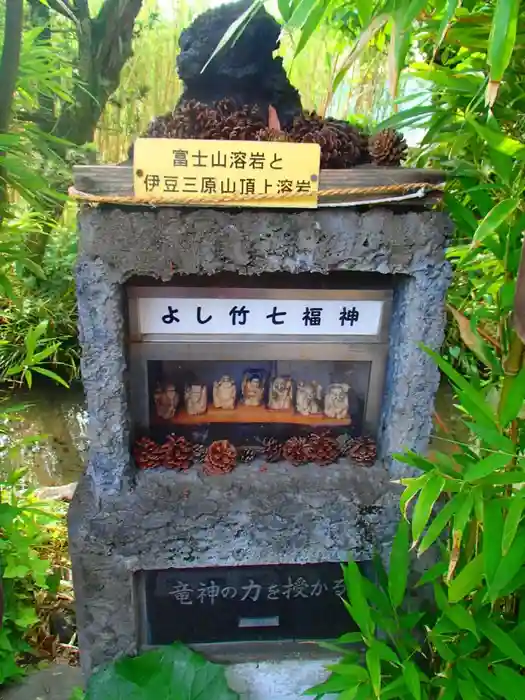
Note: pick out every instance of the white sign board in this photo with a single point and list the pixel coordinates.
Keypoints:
(190, 316)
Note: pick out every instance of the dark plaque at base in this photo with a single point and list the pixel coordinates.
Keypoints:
(285, 602)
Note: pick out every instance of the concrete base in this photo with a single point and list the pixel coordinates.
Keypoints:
(56, 682)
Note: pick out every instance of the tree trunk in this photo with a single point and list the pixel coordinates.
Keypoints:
(104, 46)
(9, 63)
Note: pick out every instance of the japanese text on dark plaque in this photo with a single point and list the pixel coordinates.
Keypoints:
(268, 316)
(209, 592)
(214, 169)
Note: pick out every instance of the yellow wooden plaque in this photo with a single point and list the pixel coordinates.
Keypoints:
(227, 173)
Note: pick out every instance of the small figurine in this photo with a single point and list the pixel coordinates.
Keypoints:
(224, 393)
(166, 401)
(196, 399)
(336, 401)
(281, 394)
(253, 388)
(308, 399)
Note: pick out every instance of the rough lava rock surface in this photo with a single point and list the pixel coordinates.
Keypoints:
(246, 72)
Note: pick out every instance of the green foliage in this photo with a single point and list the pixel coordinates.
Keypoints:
(27, 530)
(459, 632)
(172, 673)
(34, 301)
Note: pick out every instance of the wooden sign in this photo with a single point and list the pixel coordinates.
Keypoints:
(228, 173)
(185, 315)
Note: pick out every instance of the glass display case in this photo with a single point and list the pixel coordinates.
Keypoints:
(299, 361)
(244, 401)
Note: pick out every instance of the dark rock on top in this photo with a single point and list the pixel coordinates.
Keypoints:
(245, 71)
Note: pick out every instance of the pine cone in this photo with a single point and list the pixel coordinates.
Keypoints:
(342, 145)
(221, 458)
(363, 451)
(196, 120)
(272, 450)
(148, 454)
(294, 451)
(177, 453)
(345, 443)
(247, 455)
(322, 449)
(388, 147)
(199, 452)
(267, 134)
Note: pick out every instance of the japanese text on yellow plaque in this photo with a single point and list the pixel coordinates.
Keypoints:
(231, 173)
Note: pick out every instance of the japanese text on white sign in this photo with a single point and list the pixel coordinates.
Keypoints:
(261, 316)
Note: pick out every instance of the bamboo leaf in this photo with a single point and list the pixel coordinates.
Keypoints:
(437, 571)
(471, 339)
(467, 689)
(50, 375)
(461, 618)
(461, 214)
(451, 8)
(512, 683)
(492, 538)
(301, 13)
(411, 678)
(462, 513)
(235, 30)
(497, 216)
(408, 117)
(486, 466)
(512, 521)
(311, 24)
(373, 664)
(509, 566)
(467, 580)
(512, 402)
(476, 397)
(492, 437)
(502, 641)
(495, 139)
(285, 9)
(501, 44)
(384, 652)
(425, 502)
(479, 669)
(399, 558)
(439, 523)
(358, 605)
(412, 487)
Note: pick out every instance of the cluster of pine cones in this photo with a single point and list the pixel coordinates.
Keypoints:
(221, 456)
(322, 449)
(179, 453)
(342, 144)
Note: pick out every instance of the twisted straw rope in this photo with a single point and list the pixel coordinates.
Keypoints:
(223, 198)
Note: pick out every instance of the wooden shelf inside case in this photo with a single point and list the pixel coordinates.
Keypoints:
(252, 414)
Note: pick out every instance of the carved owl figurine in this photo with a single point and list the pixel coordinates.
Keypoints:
(196, 399)
(308, 398)
(336, 401)
(281, 394)
(224, 393)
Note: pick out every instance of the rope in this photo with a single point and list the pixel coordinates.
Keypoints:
(224, 198)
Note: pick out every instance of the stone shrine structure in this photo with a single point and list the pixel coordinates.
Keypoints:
(126, 524)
